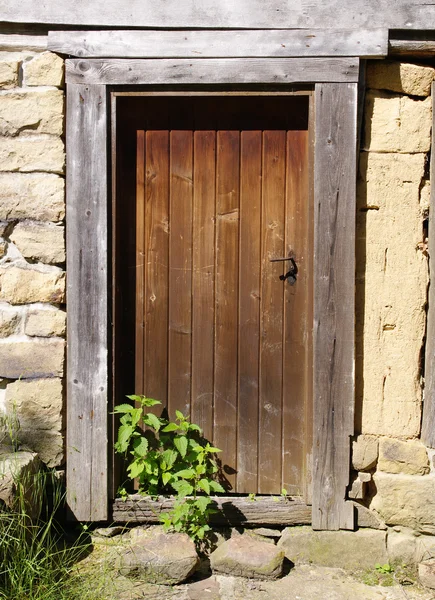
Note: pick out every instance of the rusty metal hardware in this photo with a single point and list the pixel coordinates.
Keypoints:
(291, 274)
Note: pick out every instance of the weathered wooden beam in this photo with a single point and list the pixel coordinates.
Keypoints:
(243, 14)
(334, 275)
(281, 43)
(428, 423)
(118, 71)
(23, 42)
(232, 510)
(87, 368)
(418, 48)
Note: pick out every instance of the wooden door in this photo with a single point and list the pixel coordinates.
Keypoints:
(223, 188)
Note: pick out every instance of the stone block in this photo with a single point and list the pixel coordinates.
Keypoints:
(44, 69)
(425, 547)
(397, 456)
(401, 545)
(37, 403)
(32, 153)
(18, 467)
(368, 518)
(246, 556)
(45, 323)
(358, 489)
(3, 248)
(9, 66)
(390, 315)
(426, 573)
(36, 196)
(400, 77)
(159, 557)
(26, 285)
(10, 321)
(365, 452)
(49, 445)
(397, 123)
(39, 111)
(31, 358)
(349, 550)
(43, 242)
(407, 500)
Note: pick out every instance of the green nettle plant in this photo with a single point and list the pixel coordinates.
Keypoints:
(170, 457)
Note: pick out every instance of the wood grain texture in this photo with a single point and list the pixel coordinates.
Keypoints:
(334, 271)
(298, 316)
(409, 47)
(87, 388)
(180, 272)
(118, 71)
(298, 14)
(203, 266)
(140, 265)
(279, 43)
(226, 299)
(428, 423)
(232, 510)
(20, 42)
(271, 312)
(249, 309)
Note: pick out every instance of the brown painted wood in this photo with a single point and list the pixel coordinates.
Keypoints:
(249, 309)
(226, 299)
(428, 423)
(271, 312)
(118, 71)
(298, 316)
(203, 266)
(221, 235)
(180, 271)
(334, 268)
(232, 510)
(140, 262)
(255, 14)
(210, 44)
(156, 265)
(87, 388)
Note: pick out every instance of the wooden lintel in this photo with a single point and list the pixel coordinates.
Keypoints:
(418, 48)
(232, 510)
(211, 71)
(266, 43)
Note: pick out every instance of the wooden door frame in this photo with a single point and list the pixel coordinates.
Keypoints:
(89, 83)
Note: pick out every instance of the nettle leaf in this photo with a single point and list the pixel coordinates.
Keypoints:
(149, 401)
(152, 421)
(170, 427)
(202, 503)
(166, 478)
(135, 398)
(140, 446)
(135, 469)
(186, 473)
(194, 427)
(170, 456)
(179, 415)
(181, 445)
(123, 408)
(216, 487)
(124, 435)
(204, 485)
(183, 488)
(136, 415)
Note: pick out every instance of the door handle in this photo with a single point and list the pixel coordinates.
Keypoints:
(292, 272)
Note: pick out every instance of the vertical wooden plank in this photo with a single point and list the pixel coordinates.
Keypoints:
(87, 388)
(334, 268)
(140, 264)
(249, 310)
(271, 357)
(180, 271)
(298, 315)
(156, 260)
(203, 280)
(428, 424)
(226, 299)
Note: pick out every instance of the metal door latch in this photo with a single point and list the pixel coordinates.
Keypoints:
(291, 274)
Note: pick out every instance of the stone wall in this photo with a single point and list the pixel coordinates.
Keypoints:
(396, 472)
(32, 249)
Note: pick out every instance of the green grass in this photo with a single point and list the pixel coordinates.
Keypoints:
(36, 562)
